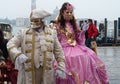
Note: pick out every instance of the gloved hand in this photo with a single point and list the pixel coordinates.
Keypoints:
(22, 58)
(85, 27)
(60, 74)
(19, 61)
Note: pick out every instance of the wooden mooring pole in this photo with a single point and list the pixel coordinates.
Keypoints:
(115, 32)
(105, 30)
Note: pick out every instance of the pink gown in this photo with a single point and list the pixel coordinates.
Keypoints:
(84, 65)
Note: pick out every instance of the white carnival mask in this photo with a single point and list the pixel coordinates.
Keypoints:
(35, 23)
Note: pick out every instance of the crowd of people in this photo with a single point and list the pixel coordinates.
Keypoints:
(61, 53)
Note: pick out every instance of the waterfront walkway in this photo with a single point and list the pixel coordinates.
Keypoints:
(111, 57)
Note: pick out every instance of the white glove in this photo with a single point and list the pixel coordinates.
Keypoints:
(22, 58)
(18, 66)
(19, 61)
(60, 74)
(85, 27)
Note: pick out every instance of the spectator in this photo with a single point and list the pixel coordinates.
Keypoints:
(91, 34)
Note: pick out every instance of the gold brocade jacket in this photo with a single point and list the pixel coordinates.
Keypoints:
(42, 48)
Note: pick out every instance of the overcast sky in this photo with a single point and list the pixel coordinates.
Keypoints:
(97, 9)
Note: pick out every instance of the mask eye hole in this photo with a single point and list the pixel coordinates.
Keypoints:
(35, 20)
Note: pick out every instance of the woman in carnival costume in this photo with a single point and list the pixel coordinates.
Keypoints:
(82, 64)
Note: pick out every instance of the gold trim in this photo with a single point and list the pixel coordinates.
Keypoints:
(49, 40)
(28, 42)
(47, 33)
(48, 68)
(44, 63)
(28, 51)
(44, 60)
(28, 60)
(32, 61)
(49, 50)
(28, 70)
(60, 60)
(48, 59)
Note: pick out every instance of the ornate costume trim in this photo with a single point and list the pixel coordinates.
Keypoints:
(60, 60)
(28, 60)
(32, 62)
(69, 36)
(28, 70)
(47, 32)
(27, 42)
(28, 51)
(49, 40)
(49, 50)
(44, 62)
(48, 59)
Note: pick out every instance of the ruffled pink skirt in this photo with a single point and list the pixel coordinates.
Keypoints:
(84, 66)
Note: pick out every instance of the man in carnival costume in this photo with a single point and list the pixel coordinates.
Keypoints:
(34, 50)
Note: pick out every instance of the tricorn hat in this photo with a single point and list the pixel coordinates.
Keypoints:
(39, 14)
